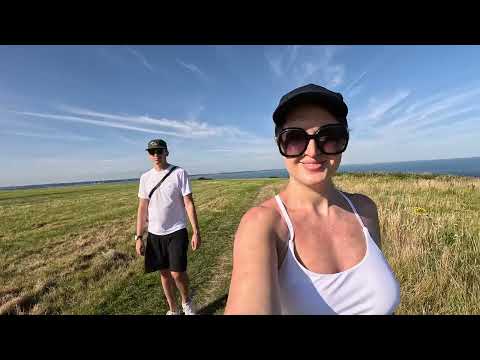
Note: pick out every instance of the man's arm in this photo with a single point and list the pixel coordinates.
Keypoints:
(141, 219)
(192, 216)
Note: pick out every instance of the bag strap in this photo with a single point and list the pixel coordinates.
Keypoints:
(161, 181)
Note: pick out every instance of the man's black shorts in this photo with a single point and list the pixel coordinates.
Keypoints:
(167, 252)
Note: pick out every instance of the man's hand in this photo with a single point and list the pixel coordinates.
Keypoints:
(139, 247)
(196, 241)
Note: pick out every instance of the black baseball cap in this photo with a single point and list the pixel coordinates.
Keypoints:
(311, 94)
(156, 144)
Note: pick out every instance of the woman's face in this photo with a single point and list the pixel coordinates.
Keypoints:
(313, 167)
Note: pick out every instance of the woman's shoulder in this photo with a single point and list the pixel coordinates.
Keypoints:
(364, 205)
(368, 212)
(263, 221)
(264, 214)
(262, 228)
(366, 208)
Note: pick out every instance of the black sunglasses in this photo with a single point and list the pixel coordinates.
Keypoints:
(331, 139)
(156, 151)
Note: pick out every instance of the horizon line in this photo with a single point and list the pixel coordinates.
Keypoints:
(90, 182)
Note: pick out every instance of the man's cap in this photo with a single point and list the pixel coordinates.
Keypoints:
(311, 94)
(156, 144)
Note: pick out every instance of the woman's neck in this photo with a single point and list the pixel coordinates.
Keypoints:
(312, 198)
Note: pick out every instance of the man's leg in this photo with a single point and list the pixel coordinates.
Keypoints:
(156, 258)
(181, 280)
(178, 247)
(168, 289)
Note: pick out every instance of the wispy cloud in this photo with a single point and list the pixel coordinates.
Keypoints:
(283, 61)
(335, 74)
(355, 86)
(306, 64)
(275, 63)
(394, 119)
(95, 122)
(189, 129)
(355, 91)
(448, 117)
(355, 83)
(65, 137)
(434, 110)
(319, 66)
(141, 58)
(379, 109)
(423, 102)
(139, 119)
(194, 69)
(293, 53)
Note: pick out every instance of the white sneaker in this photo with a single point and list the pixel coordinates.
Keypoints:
(172, 312)
(189, 308)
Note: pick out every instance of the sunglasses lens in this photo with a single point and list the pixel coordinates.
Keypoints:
(330, 140)
(333, 140)
(293, 142)
(155, 151)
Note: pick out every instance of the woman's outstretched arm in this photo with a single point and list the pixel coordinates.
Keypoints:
(254, 285)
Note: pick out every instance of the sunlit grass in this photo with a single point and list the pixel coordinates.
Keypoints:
(71, 251)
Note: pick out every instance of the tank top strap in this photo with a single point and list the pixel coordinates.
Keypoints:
(353, 208)
(286, 218)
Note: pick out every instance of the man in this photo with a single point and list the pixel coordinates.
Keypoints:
(167, 240)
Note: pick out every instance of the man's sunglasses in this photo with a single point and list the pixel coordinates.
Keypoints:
(156, 151)
(331, 139)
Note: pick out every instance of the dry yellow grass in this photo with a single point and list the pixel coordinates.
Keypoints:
(70, 250)
(431, 237)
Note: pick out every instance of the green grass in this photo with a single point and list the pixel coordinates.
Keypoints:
(71, 251)
(61, 237)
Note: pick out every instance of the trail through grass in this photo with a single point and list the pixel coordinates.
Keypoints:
(71, 251)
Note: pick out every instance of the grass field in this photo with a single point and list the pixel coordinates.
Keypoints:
(71, 251)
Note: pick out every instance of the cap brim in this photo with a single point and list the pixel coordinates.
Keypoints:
(332, 104)
(154, 148)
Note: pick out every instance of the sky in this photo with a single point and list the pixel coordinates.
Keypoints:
(81, 113)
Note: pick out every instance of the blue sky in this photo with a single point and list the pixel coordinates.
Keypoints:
(73, 113)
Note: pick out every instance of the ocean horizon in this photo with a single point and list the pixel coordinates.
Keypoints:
(456, 166)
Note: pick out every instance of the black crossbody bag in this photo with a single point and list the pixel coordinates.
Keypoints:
(161, 181)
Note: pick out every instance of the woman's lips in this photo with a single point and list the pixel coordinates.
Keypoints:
(316, 166)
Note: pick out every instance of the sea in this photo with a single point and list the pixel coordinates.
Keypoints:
(459, 166)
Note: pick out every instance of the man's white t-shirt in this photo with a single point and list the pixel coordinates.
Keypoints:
(166, 210)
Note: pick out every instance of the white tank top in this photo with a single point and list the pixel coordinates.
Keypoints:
(369, 287)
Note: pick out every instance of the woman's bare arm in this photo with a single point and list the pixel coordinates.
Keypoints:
(254, 284)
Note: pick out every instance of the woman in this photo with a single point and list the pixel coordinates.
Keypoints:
(311, 249)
